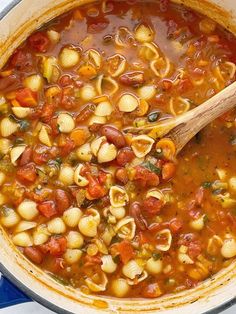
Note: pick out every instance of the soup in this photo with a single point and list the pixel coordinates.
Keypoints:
(96, 207)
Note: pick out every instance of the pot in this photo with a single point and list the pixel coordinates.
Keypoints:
(17, 21)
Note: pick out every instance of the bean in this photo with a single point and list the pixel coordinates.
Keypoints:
(135, 78)
(124, 156)
(62, 200)
(113, 135)
(121, 175)
(34, 254)
(26, 156)
(135, 212)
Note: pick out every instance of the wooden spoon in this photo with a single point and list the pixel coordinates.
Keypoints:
(183, 127)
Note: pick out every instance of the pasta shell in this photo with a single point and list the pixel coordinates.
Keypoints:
(44, 136)
(21, 112)
(5, 145)
(149, 51)
(95, 144)
(94, 58)
(16, 152)
(106, 85)
(183, 256)
(69, 57)
(97, 283)
(161, 67)
(144, 33)
(80, 180)
(88, 226)
(34, 82)
(103, 109)
(84, 152)
(126, 228)
(116, 65)
(8, 127)
(128, 103)
(179, 106)
(118, 196)
(65, 122)
(140, 278)
(141, 145)
(132, 269)
(124, 37)
(87, 92)
(10, 218)
(147, 92)
(108, 265)
(22, 239)
(25, 225)
(214, 245)
(156, 193)
(107, 152)
(50, 68)
(164, 234)
(40, 235)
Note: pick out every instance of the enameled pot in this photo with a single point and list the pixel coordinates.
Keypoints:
(17, 21)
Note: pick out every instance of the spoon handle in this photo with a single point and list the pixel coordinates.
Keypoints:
(190, 123)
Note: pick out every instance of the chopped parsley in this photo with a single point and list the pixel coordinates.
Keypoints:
(151, 167)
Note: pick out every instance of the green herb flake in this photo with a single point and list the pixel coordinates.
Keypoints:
(156, 256)
(207, 185)
(151, 167)
(205, 219)
(24, 125)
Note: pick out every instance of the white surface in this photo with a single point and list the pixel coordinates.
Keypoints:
(35, 308)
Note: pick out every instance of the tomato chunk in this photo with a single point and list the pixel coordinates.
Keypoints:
(56, 246)
(152, 206)
(146, 178)
(95, 189)
(26, 97)
(27, 174)
(39, 42)
(47, 208)
(126, 251)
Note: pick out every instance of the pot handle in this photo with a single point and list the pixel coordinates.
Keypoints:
(10, 294)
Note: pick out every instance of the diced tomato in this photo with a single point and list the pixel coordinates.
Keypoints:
(62, 200)
(126, 251)
(27, 174)
(92, 260)
(47, 112)
(66, 146)
(152, 291)
(145, 178)
(175, 225)
(194, 245)
(56, 246)
(102, 176)
(152, 206)
(47, 208)
(39, 42)
(185, 85)
(168, 170)
(40, 154)
(26, 156)
(166, 84)
(95, 189)
(21, 60)
(26, 97)
(145, 237)
(65, 80)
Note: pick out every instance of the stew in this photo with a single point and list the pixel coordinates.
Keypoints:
(98, 208)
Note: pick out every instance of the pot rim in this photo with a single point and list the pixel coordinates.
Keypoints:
(43, 301)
